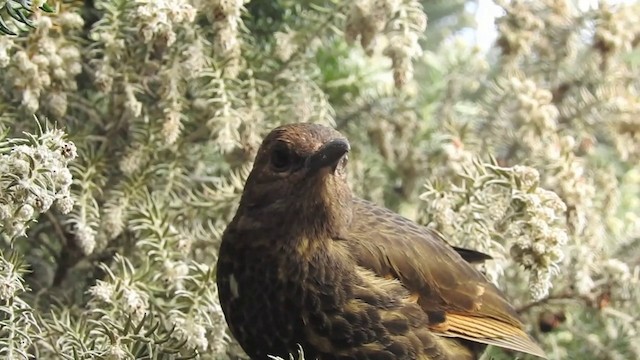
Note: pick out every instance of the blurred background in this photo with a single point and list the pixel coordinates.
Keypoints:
(512, 127)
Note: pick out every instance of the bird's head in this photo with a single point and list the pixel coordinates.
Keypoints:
(299, 178)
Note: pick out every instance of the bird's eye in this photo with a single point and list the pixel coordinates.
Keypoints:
(281, 158)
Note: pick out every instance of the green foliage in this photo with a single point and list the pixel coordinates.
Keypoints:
(18, 12)
(529, 152)
(449, 17)
(17, 322)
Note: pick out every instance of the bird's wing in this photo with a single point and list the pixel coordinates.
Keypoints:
(459, 300)
(471, 256)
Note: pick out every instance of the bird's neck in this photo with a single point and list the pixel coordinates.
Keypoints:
(317, 220)
(321, 219)
(301, 246)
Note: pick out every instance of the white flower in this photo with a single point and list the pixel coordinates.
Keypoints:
(85, 237)
(62, 177)
(617, 269)
(102, 291)
(68, 150)
(584, 283)
(134, 304)
(9, 280)
(528, 176)
(540, 283)
(43, 200)
(65, 204)
(5, 211)
(116, 352)
(559, 236)
(25, 213)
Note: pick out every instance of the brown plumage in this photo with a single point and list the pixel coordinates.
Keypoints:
(304, 262)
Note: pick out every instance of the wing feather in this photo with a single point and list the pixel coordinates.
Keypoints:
(462, 302)
(492, 332)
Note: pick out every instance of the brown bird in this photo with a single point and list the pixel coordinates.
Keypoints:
(306, 263)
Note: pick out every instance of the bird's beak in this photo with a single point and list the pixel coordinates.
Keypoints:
(328, 155)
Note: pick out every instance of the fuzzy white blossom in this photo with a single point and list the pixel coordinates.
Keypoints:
(103, 292)
(226, 18)
(42, 76)
(190, 329)
(157, 19)
(174, 273)
(113, 220)
(10, 281)
(402, 22)
(285, 45)
(540, 242)
(134, 303)
(528, 216)
(64, 204)
(33, 178)
(85, 237)
(116, 352)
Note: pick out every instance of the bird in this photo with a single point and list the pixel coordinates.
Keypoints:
(306, 264)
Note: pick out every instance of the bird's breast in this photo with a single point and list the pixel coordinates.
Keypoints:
(266, 292)
(276, 300)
